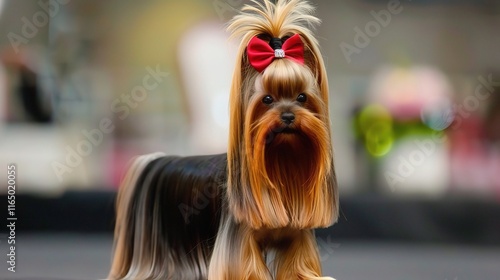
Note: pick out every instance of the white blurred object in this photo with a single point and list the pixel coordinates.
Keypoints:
(31, 148)
(206, 64)
(416, 164)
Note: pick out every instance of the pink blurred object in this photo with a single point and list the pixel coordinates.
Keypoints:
(475, 165)
(118, 163)
(407, 92)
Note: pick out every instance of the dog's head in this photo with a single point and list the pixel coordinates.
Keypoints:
(280, 158)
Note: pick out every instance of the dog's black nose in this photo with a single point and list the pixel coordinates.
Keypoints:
(287, 117)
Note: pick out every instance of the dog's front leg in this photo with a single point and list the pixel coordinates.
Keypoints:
(237, 255)
(300, 259)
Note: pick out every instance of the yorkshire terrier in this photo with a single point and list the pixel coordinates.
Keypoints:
(219, 217)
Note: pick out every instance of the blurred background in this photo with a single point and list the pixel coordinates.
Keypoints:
(415, 115)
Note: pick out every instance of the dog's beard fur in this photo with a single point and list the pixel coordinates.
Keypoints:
(286, 169)
(216, 216)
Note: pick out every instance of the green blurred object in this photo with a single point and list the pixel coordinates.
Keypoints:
(378, 130)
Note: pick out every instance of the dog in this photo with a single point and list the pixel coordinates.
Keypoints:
(220, 217)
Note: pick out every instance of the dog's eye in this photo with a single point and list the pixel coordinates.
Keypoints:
(302, 98)
(268, 99)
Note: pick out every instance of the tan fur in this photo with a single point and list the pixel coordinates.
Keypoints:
(237, 254)
(123, 252)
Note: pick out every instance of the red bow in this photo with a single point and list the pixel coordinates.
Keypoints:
(261, 54)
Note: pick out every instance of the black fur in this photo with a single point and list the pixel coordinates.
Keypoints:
(179, 200)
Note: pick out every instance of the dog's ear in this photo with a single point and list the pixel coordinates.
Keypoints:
(314, 60)
(236, 123)
(246, 199)
(239, 193)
